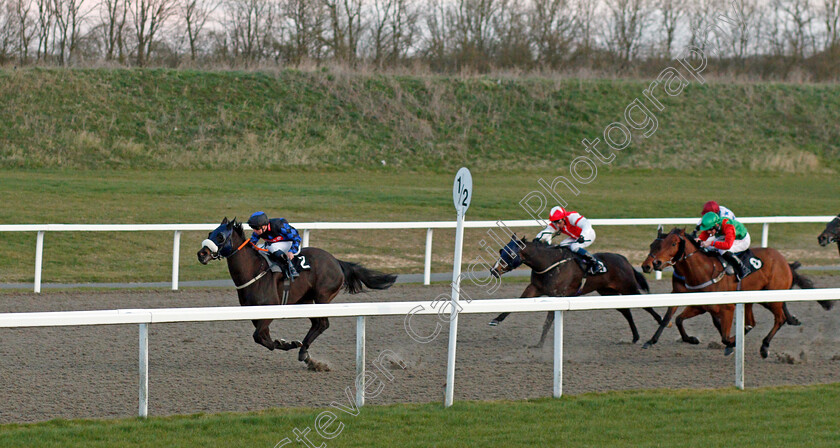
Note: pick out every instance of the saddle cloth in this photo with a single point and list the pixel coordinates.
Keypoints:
(299, 261)
(749, 262)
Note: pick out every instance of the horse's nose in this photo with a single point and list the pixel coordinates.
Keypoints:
(657, 264)
(822, 240)
(202, 256)
(646, 268)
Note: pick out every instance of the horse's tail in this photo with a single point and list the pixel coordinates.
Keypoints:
(355, 275)
(806, 283)
(641, 281)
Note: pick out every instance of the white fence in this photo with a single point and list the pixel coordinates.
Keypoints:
(307, 228)
(144, 317)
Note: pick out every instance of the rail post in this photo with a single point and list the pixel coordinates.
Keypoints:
(739, 346)
(427, 264)
(144, 371)
(305, 241)
(765, 233)
(360, 361)
(176, 257)
(39, 259)
(558, 353)
(658, 274)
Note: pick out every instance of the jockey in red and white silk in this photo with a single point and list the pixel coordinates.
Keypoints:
(579, 232)
(571, 224)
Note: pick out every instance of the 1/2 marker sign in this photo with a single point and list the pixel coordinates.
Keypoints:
(462, 190)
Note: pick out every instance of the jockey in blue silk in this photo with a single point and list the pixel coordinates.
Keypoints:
(282, 241)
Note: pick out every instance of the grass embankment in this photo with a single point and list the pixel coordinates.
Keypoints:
(94, 119)
(795, 416)
(144, 196)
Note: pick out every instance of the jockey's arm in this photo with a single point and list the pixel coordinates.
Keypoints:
(291, 234)
(728, 240)
(254, 238)
(546, 234)
(585, 225)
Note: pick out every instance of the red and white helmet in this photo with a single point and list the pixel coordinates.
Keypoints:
(557, 213)
(710, 206)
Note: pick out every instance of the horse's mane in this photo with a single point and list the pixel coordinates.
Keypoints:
(542, 245)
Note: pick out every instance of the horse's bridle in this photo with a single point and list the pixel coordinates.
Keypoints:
(216, 252)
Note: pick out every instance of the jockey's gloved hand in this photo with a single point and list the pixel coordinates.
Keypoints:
(581, 240)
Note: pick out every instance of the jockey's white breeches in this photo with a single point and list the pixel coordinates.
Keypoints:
(737, 246)
(282, 246)
(588, 236)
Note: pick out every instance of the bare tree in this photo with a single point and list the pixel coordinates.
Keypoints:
(831, 16)
(25, 29)
(7, 31)
(436, 42)
(45, 25)
(472, 30)
(195, 13)
(345, 28)
(305, 24)
(68, 23)
(552, 25)
(587, 20)
(671, 13)
(796, 17)
(148, 16)
(628, 22)
(113, 14)
(250, 25)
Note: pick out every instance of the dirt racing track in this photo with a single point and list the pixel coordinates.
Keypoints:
(83, 372)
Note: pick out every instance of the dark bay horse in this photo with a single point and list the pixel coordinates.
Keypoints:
(831, 234)
(705, 273)
(256, 284)
(555, 273)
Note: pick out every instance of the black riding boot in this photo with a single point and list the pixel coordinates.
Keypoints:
(285, 264)
(293, 273)
(735, 263)
(593, 265)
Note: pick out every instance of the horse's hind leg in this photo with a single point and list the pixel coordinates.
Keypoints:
(319, 325)
(549, 319)
(629, 316)
(262, 336)
(498, 319)
(778, 320)
(688, 313)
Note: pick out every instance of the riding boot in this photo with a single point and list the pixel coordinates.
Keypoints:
(735, 264)
(293, 273)
(594, 266)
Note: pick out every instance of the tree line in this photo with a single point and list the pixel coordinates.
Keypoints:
(768, 38)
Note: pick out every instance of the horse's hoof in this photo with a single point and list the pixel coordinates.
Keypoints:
(728, 351)
(635, 339)
(537, 346)
(303, 356)
(793, 320)
(647, 345)
(494, 323)
(692, 340)
(747, 329)
(763, 352)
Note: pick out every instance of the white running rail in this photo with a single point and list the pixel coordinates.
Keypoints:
(146, 317)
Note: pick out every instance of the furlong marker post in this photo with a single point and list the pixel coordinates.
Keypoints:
(461, 195)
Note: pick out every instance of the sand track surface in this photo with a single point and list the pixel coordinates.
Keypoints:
(91, 372)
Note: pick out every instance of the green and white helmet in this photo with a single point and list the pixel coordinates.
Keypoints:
(710, 219)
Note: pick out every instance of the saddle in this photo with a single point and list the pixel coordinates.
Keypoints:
(590, 269)
(749, 262)
(299, 262)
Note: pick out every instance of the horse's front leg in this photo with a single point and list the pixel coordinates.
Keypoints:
(549, 319)
(662, 324)
(319, 325)
(262, 336)
(629, 316)
(530, 291)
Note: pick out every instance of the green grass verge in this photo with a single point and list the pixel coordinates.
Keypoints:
(152, 196)
(137, 118)
(791, 416)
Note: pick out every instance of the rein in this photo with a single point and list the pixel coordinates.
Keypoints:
(704, 284)
(553, 266)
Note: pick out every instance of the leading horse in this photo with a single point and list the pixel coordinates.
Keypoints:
(257, 284)
(555, 273)
(705, 273)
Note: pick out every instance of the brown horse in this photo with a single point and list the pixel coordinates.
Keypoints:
(705, 273)
(554, 273)
(831, 234)
(257, 284)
